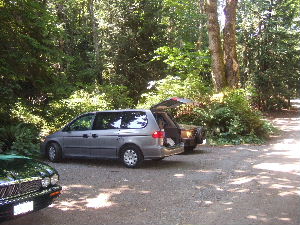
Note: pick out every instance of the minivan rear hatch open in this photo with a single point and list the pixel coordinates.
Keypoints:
(166, 122)
(171, 103)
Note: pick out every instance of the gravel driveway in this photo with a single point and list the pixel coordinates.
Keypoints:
(244, 184)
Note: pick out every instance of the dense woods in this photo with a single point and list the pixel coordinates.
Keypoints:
(61, 58)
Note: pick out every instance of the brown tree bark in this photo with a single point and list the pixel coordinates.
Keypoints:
(95, 40)
(230, 55)
(218, 69)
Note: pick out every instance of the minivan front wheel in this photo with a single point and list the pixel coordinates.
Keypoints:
(131, 156)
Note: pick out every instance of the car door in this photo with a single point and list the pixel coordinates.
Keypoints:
(104, 135)
(76, 136)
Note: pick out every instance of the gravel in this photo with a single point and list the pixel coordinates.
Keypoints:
(246, 184)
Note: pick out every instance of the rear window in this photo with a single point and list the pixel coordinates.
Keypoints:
(120, 120)
(134, 120)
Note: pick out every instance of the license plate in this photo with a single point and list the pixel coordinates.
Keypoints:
(23, 208)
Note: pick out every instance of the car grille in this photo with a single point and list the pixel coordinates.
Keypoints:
(20, 188)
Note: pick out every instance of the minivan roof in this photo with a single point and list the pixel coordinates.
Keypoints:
(119, 110)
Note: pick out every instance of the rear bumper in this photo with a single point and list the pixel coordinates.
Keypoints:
(40, 200)
(189, 142)
(168, 151)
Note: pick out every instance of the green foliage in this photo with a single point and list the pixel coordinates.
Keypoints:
(187, 68)
(59, 59)
(59, 112)
(268, 33)
(87, 100)
(230, 119)
(192, 87)
(21, 138)
(132, 31)
(28, 52)
(183, 18)
(185, 61)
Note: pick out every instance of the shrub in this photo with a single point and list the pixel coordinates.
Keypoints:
(20, 138)
(192, 87)
(59, 112)
(230, 119)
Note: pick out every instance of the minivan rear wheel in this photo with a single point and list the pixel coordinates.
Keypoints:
(131, 156)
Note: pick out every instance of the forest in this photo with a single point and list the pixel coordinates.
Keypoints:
(60, 58)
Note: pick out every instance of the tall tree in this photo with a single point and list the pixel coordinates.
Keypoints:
(269, 40)
(218, 68)
(95, 30)
(229, 36)
(134, 30)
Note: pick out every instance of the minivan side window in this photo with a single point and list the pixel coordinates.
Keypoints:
(134, 120)
(107, 120)
(82, 123)
(120, 120)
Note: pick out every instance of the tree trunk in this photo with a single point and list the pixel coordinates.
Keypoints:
(231, 62)
(97, 63)
(202, 26)
(218, 69)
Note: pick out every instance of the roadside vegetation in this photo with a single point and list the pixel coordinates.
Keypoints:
(59, 59)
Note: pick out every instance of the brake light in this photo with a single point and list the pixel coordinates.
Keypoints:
(158, 134)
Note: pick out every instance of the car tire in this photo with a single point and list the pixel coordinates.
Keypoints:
(200, 135)
(131, 156)
(189, 148)
(54, 152)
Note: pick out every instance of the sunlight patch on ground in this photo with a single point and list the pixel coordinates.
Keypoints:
(261, 217)
(242, 180)
(179, 175)
(288, 193)
(284, 219)
(239, 190)
(279, 167)
(102, 199)
(207, 171)
(280, 186)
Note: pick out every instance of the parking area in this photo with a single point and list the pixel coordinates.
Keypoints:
(246, 184)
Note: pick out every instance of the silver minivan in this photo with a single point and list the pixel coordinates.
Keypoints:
(131, 135)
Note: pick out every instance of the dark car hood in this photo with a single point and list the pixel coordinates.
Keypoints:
(14, 167)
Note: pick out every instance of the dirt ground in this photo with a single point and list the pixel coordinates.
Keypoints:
(245, 184)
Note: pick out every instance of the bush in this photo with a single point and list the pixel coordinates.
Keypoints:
(192, 87)
(21, 139)
(230, 119)
(59, 112)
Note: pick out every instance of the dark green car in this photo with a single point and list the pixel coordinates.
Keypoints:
(26, 185)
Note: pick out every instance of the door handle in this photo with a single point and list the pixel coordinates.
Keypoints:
(85, 136)
(94, 135)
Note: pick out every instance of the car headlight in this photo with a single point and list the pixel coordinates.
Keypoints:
(45, 182)
(54, 179)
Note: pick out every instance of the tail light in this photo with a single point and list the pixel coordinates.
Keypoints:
(158, 134)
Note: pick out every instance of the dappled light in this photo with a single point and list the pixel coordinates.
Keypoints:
(83, 88)
(280, 167)
(179, 175)
(261, 217)
(242, 180)
(243, 184)
(100, 200)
